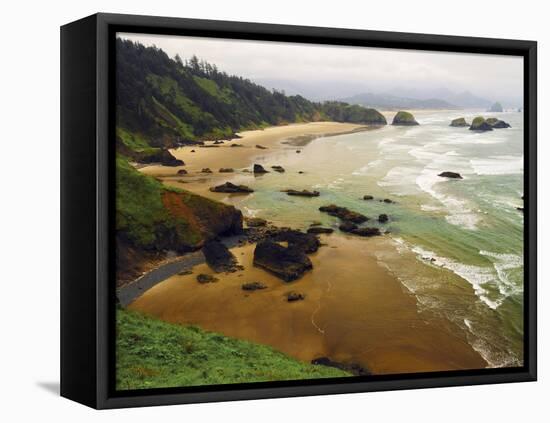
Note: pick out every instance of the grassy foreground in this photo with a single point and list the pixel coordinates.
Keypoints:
(155, 354)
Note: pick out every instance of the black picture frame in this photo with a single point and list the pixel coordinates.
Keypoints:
(87, 194)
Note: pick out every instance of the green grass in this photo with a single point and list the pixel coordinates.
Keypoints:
(151, 353)
(478, 121)
(213, 89)
(131, 140)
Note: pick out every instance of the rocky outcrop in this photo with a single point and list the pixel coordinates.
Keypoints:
(344, 214)
(319, 230)
(496, 108)
(353, 368)
(366, 232)
(255, 222)
(259, 169)
(253, 286)
(479, 124)
(404, 119)
(203, 278)
(288, 263)
(303, 193)
(308, 243)
(497, 123)
(347, 227)
(295, 296)
(158, 155)
(230, 188)
(459, 122)
(452, 175)
(219, 258)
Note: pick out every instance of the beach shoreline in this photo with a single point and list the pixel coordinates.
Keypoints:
(420, 342)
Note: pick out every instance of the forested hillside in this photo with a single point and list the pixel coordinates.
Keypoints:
(166, 101)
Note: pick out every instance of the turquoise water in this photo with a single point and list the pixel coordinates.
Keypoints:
(457, 245)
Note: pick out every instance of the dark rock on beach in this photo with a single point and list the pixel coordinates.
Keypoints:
(258, 169)
(347, 227)
(206, 170)
(226, 170)
(182, 172)
(162, 156)
(228, 187)
(353, 368)
(452, 175)
(236, 145)
(287, 263)
(366, 232)
(279, 169)
(303, 193)
(383, 218)
(306, 242)
(319, 230)
(203, 278)
(218, 257)
(344, 214)
(261, 147)
(497, 123)
(255, 222)
(368, 197)
(253, 286)
(388, 201)
(295, 296)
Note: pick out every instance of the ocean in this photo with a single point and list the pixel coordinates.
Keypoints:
(446, 238)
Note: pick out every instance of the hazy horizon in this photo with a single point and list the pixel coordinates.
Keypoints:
(323, 72)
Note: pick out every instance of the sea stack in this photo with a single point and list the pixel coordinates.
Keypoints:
(480, 124)
(404, 119)
(496, 108)
(459, 122)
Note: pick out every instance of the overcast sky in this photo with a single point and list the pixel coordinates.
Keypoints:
(349, 69)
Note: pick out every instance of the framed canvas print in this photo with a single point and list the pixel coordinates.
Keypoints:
(255, 211)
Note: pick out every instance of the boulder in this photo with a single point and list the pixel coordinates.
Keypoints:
(218, 257)
(287, 263)
(452, 175)
(295, 296)
(383, 218)
(192, 151)
(182, 172)
(368, 197)
(253, 286)
(479, 124)
(255, 222)
(344, 214)
(305, 242)
(203, 278)
(319, 230)
(218, 142)
(261, 147)
(366, 232)
(298, 151)
(279, 169)
(353, 368)
(206, 170)
(347, 227)
(497, 123)
(404, 119)
(157, 155)
(459, 122)
(226, 170)
(258, 169)
(236, 145)
(303, 193)
(228, 187)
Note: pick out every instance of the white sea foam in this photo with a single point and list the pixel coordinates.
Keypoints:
(364, 170)
(248, 212)
(498, 165)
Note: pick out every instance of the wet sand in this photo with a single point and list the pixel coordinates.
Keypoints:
(239, 158)
(354, 311)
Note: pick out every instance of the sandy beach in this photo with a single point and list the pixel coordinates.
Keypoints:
(223, 155)
(354, 310)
